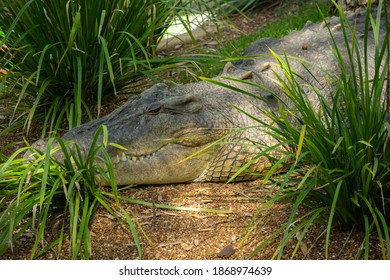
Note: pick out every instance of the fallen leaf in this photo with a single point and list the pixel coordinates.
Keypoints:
(206, 229)
(226, 252)
(302, 245)
(198, 216)
(186, 247)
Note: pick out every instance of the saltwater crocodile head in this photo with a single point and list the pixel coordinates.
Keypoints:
(161, 130)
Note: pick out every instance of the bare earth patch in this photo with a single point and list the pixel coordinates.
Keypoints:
(179, 235)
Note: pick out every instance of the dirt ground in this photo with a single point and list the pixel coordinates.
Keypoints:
(172, 235)
(181, 235)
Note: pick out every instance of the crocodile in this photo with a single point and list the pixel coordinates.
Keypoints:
(204, 131)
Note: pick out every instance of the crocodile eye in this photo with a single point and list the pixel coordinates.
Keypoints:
(154, 110)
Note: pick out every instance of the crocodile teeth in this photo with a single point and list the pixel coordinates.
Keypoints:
(132, 158)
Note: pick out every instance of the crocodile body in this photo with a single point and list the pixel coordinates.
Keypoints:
(170, 134)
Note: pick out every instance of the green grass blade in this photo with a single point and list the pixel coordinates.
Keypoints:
(108, 61)
(72, 37)
(331, 216)
(78, 93)
(133, 231)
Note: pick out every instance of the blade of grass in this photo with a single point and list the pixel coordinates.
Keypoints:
(331, 216)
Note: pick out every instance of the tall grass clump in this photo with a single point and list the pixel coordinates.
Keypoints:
(64, 57)
(336, 157)
(43, 190)
(341, 149)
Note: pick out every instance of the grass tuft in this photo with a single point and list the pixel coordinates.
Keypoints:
(345, 159)
(44, 190)
(63, 59)
(337, 160)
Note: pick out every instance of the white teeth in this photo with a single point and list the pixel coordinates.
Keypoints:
(126, 158)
